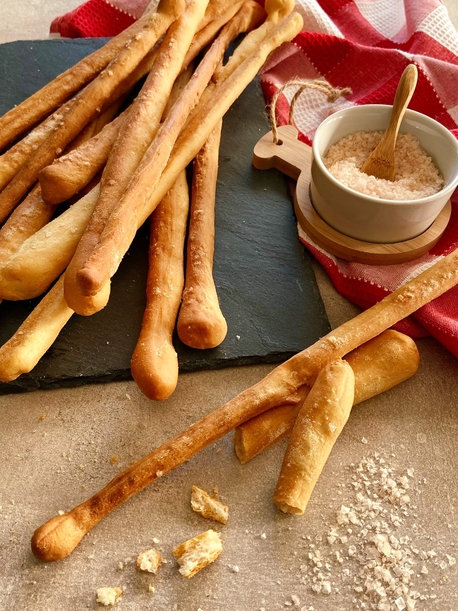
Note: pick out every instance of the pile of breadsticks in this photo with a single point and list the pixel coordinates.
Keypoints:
(104, 148)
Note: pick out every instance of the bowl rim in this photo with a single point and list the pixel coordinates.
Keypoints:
(316, 157)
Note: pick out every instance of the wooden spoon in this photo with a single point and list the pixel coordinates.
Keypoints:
(380, 162)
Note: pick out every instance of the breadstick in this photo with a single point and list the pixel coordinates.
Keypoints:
(71, 172)
(154, 364)
(36, 335)
(276, 10)
(201, 323)
(378, 365)
(38, 106)
(88, 103)
(136, 134)
(89, 305)
(15, 157)
(319, 423)
(44, 256)
(144, 194)
(57, 538)
(208, 32)
(30, 216)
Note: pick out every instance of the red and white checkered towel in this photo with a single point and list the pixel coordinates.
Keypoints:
(364, 45)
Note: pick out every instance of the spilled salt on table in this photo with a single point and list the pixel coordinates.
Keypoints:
(416, 175)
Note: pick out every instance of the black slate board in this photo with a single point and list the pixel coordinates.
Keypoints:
(263, 274)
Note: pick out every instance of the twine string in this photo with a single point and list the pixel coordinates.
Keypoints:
(332, 94)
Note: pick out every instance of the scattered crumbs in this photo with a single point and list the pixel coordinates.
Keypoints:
(42, 416)
(295, 600)
(368, 552)
(263, 536)
(237, 337)
(364, 440)
(114, 460)
(61, 512)
(128, 396)
(151, 588)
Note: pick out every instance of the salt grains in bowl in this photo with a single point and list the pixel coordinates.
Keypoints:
(416, 175)
(374, 210)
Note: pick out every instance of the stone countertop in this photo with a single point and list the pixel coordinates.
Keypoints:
(60, 446)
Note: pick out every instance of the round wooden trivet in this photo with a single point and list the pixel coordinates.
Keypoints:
(348, 248)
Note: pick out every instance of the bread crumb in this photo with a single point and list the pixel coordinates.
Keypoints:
(196, 553)
(114, 459)
(108, 596)
(207, 506)
(149, 561)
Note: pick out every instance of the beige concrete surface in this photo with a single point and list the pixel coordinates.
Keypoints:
(59, 447)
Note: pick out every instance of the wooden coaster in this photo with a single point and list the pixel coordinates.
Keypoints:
(293, 158)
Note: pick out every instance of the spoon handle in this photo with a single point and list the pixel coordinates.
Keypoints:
(404, 92)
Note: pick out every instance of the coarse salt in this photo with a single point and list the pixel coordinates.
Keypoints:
(416, 175)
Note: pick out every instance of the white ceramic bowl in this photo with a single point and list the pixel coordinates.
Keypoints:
(369, 218)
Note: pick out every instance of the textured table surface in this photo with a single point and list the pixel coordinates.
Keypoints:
(58, 447)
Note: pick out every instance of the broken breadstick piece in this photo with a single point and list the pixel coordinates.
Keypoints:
(36, 335)
(195, 554)
(154, 363)
(208, 507)
(201, 323)
(378, 365)
(149, 561)
(319, 423)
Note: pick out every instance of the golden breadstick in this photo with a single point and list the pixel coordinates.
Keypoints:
(38, 106)
(144, 194)
(201, 323)
(36, 335)
(154, 364)
(135, 135)
(276, 11)
(57, 538)
(41, 258)
(378, 365)
(89, 305)
(15, 157)
(30, 216)
(71, 172)
(209, 29)
(89, 102)
(319, 423)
